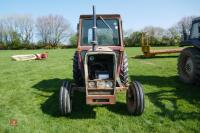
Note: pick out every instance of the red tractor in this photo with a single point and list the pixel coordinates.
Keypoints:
(100, 65)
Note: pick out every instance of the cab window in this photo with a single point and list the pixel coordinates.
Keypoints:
(106, 35)
(195, 31)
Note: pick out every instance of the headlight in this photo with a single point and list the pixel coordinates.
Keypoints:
(109, 84)
(104, 84)
(101, 84)
(91, 85)
(91, 58)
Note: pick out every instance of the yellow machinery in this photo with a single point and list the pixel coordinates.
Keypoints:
(146, 48)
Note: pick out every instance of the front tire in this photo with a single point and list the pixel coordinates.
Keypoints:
(65, 99)
(135, 99)
(189, 65)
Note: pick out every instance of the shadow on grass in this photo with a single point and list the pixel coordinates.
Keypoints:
(181, 91)
(80, 109)
(51, 105)
(118, 108)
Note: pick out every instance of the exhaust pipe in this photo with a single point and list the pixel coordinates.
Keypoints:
(94, 30)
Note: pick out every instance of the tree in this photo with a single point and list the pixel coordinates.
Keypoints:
(1, 32)
(15, 41)
(52, 29)
(134, 39)
(154, 31)
(73, 40)
(25, 24)
(10, 31)
(155, 35)
(185, 23)
(18, 25)
(174, 35)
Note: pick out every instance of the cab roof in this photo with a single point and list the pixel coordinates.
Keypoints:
(102, 15)
(196, 20)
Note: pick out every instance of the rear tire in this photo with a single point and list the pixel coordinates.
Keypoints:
(77, 75)
(135, 98)
(65, 99)
(124, 70)
(189, 65)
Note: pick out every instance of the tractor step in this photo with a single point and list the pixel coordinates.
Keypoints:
(100, 99)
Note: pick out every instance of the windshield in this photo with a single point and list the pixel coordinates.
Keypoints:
(106, 34)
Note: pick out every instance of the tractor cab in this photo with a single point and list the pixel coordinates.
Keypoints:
(108, 30)
(195, 29)
(194, 37)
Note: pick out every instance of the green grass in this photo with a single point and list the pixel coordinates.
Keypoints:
(29, 93)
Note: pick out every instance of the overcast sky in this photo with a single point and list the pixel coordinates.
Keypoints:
(135, 14)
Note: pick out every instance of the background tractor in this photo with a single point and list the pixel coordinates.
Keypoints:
(100, 65)
(189, 59)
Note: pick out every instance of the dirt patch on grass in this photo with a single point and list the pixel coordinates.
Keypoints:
(147, 63)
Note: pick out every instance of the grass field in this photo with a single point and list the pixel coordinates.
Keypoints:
(29, 93)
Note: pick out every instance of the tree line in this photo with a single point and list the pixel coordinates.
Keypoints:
(22, 31)
(158, 36)
(52, 31)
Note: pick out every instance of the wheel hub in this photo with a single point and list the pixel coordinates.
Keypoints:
(189, 68)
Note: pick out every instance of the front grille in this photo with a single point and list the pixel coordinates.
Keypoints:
(100, 92)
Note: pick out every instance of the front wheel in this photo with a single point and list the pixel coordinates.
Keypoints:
(135, 98)
(65, 99)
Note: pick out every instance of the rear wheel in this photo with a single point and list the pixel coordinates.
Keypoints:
(189, 65)
(65, 99)
(135, 98)
(124, 70)
(76, 71)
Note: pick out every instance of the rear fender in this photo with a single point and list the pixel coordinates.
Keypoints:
(192, 42)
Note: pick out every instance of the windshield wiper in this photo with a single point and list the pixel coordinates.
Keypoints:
(106, 23)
